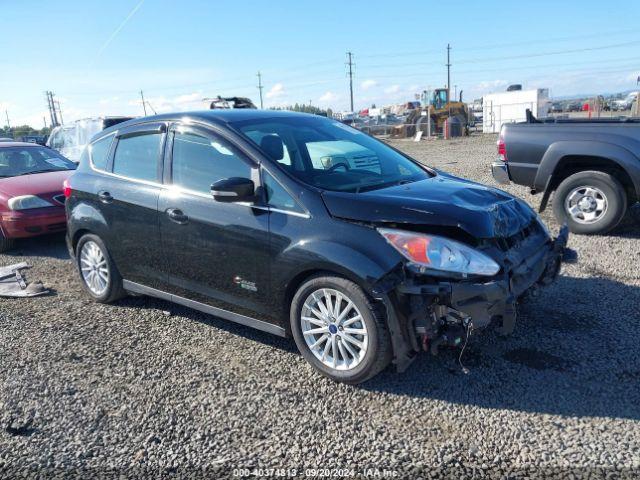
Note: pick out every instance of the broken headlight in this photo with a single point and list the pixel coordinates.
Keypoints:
(439, 253)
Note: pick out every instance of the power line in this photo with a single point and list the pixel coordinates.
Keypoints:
(511, 57)
(434, 52)
(351, 64)
(631, 61)
(554, 52)
(151, 107)
(260, 87)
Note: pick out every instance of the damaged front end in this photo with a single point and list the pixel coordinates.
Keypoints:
(427, 310)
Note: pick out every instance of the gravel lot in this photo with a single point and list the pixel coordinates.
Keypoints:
(146, 387)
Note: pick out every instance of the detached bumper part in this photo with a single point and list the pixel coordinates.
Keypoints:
(500, 172)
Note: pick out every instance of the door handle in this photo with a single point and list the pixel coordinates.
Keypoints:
(176, 215)
(105, 197)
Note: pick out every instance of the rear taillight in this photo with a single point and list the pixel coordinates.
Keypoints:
(66, 188)
(502, 148)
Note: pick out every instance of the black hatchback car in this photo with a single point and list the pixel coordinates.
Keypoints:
(300, 225)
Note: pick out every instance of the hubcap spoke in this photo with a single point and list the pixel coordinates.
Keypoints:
(352, 340)
(586, 204)
(315, 321)
(333, 329)
(351, 321)
(316, 331)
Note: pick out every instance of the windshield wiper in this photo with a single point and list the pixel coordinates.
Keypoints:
(377, 186)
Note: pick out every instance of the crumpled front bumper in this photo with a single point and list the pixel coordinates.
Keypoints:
(429, 309)
(484, 302)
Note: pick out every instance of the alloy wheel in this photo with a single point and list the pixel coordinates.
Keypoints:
(94, 269)
(334, 329)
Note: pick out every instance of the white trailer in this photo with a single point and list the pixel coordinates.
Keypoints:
(510, 107)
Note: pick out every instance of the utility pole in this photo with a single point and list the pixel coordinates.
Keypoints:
(49, 108)
(59, 111)
(449, 69)
(6, 112)
(351, 64)
(260, 87)
(52, 109)
(144, 105)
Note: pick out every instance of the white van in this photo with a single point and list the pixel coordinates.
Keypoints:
(70, 139)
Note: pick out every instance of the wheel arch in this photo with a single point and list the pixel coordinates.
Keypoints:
(85, 218)
(564, 159)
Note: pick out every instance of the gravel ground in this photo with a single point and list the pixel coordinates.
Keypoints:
(144, 387)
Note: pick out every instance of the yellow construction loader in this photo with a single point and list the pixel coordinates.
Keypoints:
(439, 109)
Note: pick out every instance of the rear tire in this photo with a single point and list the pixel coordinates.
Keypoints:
(98, 273)
(352, 342)
(590, 202)
(6, 244)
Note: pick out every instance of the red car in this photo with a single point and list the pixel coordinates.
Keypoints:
(31, 191)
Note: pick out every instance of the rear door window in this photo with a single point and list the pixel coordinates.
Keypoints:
(137, 156)
(200, 160)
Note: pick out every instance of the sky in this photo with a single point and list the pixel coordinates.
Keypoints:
(97, 56)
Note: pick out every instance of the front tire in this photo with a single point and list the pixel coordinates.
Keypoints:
(98, 273)
(338, 330)
(590, 202)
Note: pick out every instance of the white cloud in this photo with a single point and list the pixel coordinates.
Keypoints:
(187, 99)
(490, 85)
(328, 97)
(108, 101)
(367, 84)
(392, 89)
(276, 91)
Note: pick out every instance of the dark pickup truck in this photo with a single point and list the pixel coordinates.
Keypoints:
(593, 166)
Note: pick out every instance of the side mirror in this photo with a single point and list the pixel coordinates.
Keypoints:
(234, 189)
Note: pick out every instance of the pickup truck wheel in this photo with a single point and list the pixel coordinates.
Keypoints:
(338, 330)
(590, 202)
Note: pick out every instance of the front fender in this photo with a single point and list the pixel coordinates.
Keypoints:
(365, 270)
(558, 150)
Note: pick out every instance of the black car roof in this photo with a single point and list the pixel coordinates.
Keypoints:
(221, 116)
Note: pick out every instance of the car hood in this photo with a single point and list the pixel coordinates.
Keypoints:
(36, 184)
(442, 200)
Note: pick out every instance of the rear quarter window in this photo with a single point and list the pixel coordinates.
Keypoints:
(99, 152)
